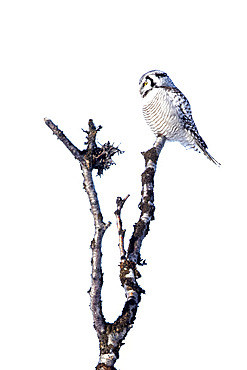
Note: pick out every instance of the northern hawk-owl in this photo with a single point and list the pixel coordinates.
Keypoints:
(168, 112)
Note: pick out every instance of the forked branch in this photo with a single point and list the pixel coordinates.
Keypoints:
(111, 335)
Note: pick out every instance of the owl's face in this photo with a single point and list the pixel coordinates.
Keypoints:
(152, 80)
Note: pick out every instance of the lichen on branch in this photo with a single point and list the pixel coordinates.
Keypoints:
(98, 157)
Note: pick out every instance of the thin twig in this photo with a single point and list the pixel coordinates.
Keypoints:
(121, 232)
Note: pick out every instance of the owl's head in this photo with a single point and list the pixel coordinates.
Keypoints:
(152, 80)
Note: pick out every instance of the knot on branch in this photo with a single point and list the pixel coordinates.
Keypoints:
(128, 276)
(98, 157)
(128, 269)
(151, 154)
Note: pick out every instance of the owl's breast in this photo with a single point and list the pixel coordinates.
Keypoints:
(161, 115)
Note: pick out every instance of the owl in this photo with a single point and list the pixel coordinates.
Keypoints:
(168, 113)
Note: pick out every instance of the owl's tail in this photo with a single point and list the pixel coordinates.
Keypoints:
(203, 150)
(211, 158)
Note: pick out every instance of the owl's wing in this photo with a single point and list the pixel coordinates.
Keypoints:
(185, 114)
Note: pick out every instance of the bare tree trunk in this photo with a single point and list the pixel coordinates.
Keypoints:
(111, 335)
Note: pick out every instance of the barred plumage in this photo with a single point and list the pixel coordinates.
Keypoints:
(168, 112)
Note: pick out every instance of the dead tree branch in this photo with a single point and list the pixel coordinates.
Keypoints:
(146, 205)
(111, 335)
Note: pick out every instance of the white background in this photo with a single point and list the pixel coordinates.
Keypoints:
(75, 60)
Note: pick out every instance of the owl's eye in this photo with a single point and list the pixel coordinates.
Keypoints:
(145, 83)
